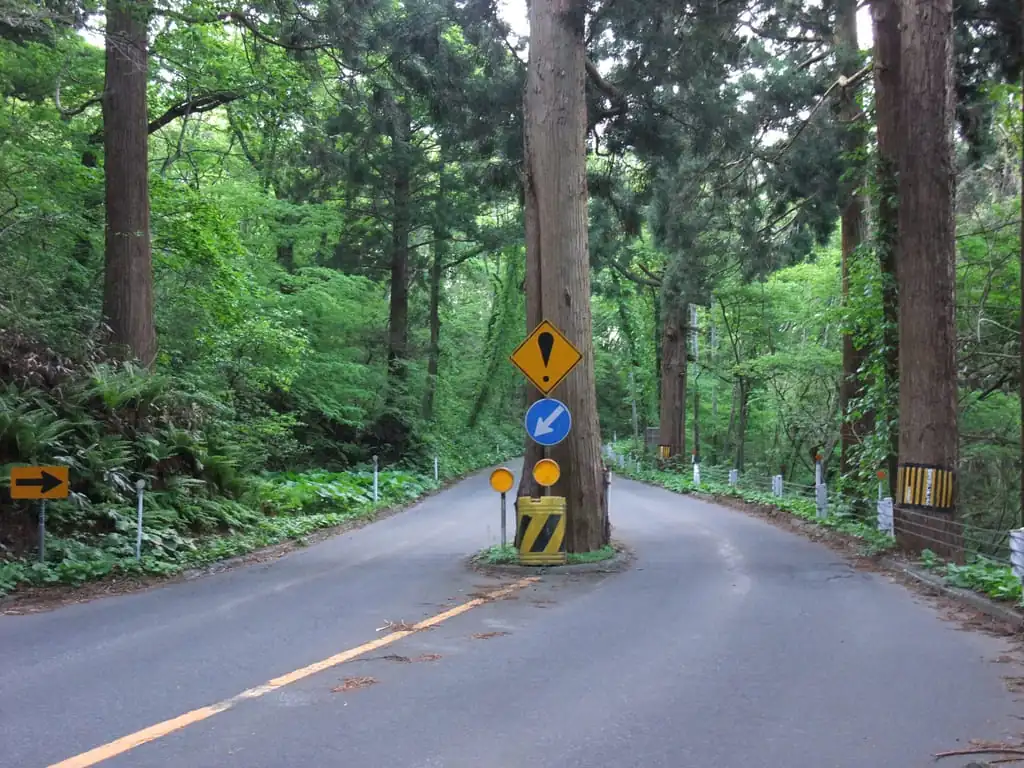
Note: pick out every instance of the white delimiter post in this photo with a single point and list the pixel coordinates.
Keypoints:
(1017, 552)
(376, 495)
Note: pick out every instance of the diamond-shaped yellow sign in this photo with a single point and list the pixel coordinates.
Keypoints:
(546, 357)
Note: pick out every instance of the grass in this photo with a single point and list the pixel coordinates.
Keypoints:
(509, 555)
(607, 552)
(499, 555)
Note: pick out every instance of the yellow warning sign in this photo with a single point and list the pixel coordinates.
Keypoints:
(546, 357)
(925, 486)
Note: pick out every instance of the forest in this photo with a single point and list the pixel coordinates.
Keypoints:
(249, 247)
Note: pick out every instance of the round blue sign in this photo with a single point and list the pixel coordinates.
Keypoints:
(548, 421)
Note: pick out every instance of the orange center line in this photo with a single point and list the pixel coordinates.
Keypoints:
(159, 730)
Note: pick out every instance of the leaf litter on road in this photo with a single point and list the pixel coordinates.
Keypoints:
(488, 635)
(354, 684)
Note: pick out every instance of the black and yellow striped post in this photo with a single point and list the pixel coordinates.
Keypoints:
(925, 487)
(540, 530)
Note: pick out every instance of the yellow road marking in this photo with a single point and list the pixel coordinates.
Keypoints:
(153, 732)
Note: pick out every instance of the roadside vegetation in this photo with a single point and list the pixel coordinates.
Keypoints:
(982, 575)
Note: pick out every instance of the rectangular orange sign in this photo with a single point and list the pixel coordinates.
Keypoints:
(40, 483)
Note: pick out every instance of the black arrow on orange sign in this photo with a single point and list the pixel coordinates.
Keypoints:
(47, 482)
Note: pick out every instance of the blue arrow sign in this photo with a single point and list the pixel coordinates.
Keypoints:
(548, 421)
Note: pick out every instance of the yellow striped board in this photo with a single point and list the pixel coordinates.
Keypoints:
(540, 530)
(925, 486)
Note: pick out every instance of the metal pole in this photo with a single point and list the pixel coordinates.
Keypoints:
(376, 495)
(435, 469)
(504, 541)
(141, 488)
(632, 396)
(42, 531)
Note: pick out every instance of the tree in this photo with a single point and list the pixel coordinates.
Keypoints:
(852, 221)
(558, 264)
(885, 15)
(926, 269)
(128, 279)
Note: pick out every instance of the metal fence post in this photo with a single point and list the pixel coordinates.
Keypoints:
(42, 531)
(140, 487)
(1017, 553)
(820, 489)
(376, 493)
(885, 520)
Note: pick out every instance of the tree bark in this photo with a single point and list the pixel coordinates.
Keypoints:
(672, 411)
(926, 271)
(886, 26)
(558, 263)
(741, 430)
(440, 238)
(128, 274)
(853, 224)
(398, 316)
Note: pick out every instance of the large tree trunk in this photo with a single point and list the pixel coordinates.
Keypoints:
(558, 264)
(927, 278)
(672, 413)
(440, 247)
(886, 27)
(853, 224)
(398, 317)
(128, 278)
(1020, 520)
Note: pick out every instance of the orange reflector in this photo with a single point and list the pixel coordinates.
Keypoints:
(502, 480)
(546, 472)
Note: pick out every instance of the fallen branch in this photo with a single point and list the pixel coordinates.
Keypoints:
(981, 751)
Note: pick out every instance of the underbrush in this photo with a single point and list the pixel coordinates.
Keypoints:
(206, 458)
(293, 506)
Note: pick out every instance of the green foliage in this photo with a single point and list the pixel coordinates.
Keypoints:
(875, 542)
(499, 555)
(985, 576)
(607, 552)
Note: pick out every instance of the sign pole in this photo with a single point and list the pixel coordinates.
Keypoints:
(42, 531)
(502, 480)
(504, 540)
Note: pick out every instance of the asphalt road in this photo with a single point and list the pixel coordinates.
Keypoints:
(729, 644)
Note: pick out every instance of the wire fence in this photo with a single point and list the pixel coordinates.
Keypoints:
(959, 539)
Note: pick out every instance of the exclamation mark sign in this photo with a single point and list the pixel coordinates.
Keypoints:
(546, 342)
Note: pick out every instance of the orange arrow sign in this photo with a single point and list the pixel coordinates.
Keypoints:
(40, 483)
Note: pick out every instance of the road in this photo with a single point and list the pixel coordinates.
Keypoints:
(728, 643)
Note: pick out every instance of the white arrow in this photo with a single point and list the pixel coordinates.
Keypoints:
(544, 425)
